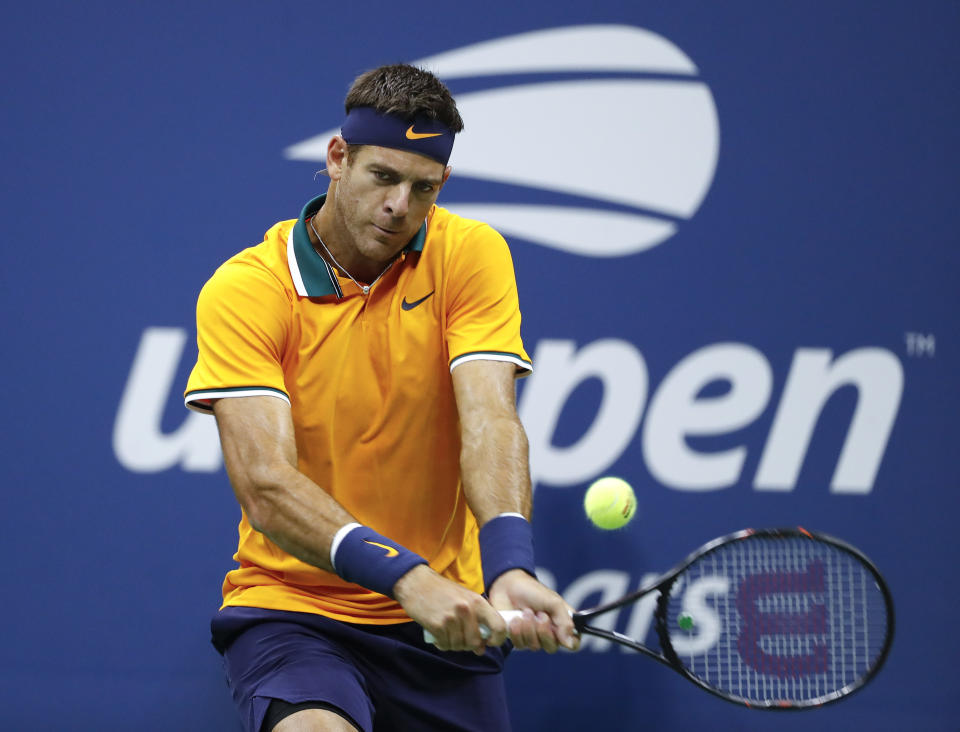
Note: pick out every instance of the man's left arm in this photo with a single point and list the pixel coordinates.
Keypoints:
(494, 467)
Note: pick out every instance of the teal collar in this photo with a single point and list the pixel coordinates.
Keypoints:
(312, 276)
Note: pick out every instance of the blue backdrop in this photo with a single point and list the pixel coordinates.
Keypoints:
(734, 230)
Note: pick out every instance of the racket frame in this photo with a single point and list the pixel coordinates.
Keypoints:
(668, 655)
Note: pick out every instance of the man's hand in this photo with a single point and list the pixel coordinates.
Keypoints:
(545, 624)
(453, 614)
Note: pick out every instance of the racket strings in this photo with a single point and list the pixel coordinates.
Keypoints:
(784, 619)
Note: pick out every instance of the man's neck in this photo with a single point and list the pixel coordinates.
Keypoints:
(334, 244)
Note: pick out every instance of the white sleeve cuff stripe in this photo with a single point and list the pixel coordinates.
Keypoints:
(509, 358)
(196, 399)
(337, 538)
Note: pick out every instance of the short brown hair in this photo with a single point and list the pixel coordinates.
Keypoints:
(406, 91)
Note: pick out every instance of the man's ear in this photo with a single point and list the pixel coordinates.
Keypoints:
(336, 157)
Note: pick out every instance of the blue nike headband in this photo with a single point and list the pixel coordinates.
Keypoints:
(421, 135)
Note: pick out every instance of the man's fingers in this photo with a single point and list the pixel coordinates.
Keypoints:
(523, 631)
(466, 633)
(469, 627)
(563, 630)
(496, 627)
(546, 632)
(541, 631)
(566, 632)
(535, 632)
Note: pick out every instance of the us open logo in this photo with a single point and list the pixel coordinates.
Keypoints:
(603, 137)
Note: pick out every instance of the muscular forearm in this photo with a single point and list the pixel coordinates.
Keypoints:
(259, 451)
(296, 515)
(496, 479)
(494, 468)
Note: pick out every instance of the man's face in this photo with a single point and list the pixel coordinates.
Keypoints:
(382, 197)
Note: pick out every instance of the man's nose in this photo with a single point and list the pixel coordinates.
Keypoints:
(397, 202)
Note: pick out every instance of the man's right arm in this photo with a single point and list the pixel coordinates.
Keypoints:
(260, 453)
(259, 450)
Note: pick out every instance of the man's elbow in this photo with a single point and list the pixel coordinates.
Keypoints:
(259, 493)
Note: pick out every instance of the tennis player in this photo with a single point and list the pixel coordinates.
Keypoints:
(361, 363)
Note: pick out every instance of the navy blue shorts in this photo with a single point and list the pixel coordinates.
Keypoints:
(384, 678)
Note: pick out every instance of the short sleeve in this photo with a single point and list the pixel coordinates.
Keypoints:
(243, 321)
(483, 316)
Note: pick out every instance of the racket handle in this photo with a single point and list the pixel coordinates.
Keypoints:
(507, 615)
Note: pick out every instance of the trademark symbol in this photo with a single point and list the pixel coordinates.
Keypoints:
(921, 345)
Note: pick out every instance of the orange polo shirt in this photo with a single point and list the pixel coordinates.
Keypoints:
(368, 381)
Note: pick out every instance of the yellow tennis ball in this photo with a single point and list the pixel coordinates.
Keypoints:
(610, 503)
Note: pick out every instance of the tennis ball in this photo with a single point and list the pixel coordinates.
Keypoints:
(610, 503)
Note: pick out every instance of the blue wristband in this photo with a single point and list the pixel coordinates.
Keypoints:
(373, 561)
(506, 542)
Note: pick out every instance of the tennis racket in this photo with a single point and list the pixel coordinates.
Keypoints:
(769, 619)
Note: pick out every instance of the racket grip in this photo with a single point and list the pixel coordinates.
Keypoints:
(507, 615)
